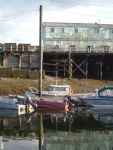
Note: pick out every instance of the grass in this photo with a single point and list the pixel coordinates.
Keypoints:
(19, 86)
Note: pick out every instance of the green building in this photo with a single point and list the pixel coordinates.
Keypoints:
(78, 37)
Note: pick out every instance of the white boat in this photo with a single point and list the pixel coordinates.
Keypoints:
(55, 90)
(16, 102)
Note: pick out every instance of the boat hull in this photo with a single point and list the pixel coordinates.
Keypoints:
(97, 102)
(45, 103)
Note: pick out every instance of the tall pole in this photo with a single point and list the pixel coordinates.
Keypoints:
(70, 65)
(101, 68)
(40, 53)
(40, 73)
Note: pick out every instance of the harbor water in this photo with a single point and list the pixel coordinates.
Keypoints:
(80, 128)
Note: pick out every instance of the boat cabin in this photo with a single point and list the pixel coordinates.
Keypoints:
(106, 92)
(55, 90)
(60, 88)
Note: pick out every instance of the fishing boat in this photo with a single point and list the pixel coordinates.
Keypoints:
(100, 98)
(55, 90)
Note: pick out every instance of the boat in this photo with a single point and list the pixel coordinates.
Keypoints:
(55, 90)
(16, 103)
(50, 104)
(100, 98)
(9, 103)
(45, 103)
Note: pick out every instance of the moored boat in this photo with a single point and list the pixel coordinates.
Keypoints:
(55, 90)
(14, 103)
(9, 103)
(100, 98)
(45, 103)
(50, 104)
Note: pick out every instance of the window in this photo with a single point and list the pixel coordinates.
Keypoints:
(62, 30)
(96, 30)
(106, 48)
(72, 47)
(90, 49)
(111, 30)
(97, 148)
(52, 30)
(76, 30)
(56, 47)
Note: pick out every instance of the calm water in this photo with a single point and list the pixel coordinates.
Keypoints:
(79, 129)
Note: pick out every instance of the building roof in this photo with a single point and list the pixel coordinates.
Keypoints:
(82, 25)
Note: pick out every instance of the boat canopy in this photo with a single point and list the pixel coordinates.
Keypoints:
(106, 91)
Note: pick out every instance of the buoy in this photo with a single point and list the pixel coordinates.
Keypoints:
(71, 91)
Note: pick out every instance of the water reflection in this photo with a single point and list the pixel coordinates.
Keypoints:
(48, 129)
(104, 116)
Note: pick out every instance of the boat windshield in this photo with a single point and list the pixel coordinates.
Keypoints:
(107, 92)
(59, 89)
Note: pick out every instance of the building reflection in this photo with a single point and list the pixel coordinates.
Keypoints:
(79, 130)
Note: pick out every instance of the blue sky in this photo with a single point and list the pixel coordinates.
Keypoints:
(19, 19)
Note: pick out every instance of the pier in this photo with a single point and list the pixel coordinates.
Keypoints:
(80, 65)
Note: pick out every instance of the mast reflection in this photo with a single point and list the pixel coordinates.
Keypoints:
(73, 129)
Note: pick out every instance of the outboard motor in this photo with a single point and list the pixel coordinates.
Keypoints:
(71, 101)
(27, 100)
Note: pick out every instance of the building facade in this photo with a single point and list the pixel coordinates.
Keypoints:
(77, 37)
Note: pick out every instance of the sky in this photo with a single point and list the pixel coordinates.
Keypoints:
(19, 19)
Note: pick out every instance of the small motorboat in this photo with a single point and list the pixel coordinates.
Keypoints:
(55, 90)
(50, 104)
(9, 103)
(15, 103)
(44, 103)
(100, 98)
